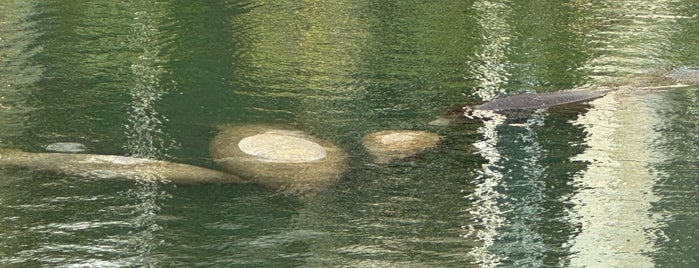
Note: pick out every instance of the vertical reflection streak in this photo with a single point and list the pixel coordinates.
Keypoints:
(146, 137)
(485, 197)
(490, 65)
(18, 74)
(144, 130)
(490, 74)
(522, 201)
(615, 196)
(616, 193)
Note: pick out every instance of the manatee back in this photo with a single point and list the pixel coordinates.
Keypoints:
(541, 100)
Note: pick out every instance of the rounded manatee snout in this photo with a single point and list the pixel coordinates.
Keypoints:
(390, 145)
(279, 158)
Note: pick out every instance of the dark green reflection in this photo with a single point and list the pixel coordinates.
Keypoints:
(677, 185)
(154, 78)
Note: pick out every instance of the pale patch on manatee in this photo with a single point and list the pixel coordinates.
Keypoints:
(66, 147)
(279, 158)
(281, 147)
(397, 137)
(116, 160)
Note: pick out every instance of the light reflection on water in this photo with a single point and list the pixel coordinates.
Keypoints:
(616, 194)
(633, 36)
(18, 73)
(675, 179)
(545, 188)
(144, 130)
(485, 196)
(613, 206)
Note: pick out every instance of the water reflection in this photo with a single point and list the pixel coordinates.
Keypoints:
(616, 190)
(491, 75)
(301, 56)
(18, 74)
(491, 61)
(144, 130)
(537, 193)
(523, 190)
(676, 186)
(80, 47)
(485, 196)
(631, 37)
(616, 193)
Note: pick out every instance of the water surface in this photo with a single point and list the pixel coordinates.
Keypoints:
(610, 183)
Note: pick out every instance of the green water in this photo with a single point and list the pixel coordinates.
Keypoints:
(611, 183)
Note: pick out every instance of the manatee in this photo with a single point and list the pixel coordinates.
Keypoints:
(390, 145)
(530, 101)
(279, 158)
(677, 78)
(114, 167)
(519, 102)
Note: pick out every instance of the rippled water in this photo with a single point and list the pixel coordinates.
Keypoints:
(610, 183)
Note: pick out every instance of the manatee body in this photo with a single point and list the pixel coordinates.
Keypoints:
(390, 145)
(679, 77)
(115, 167)
(279, 158)
(529, 101)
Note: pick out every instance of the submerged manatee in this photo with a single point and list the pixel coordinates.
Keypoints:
(114, 167)
(279, 158)
(541, 100)
(389, 145)
(525, 101)
(677, 78)
(680, 77)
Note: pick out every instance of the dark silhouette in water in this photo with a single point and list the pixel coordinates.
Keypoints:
(679, 77)
(529, 101)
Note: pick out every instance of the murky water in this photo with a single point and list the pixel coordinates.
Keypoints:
(611, 183)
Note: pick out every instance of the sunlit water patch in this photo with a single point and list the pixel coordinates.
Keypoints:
(616, 190)
(536, 188)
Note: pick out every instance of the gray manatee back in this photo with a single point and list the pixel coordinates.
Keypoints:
(678, 77)
(541, 100)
